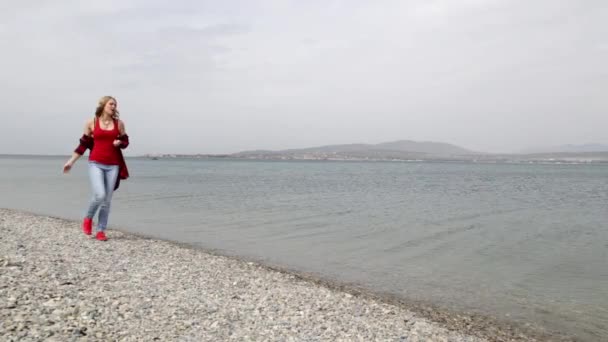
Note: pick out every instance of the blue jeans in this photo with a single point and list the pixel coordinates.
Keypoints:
(103, 178)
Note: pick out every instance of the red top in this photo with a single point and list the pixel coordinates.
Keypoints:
(104, 151)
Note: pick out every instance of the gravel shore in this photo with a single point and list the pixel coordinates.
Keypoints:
(56, 284)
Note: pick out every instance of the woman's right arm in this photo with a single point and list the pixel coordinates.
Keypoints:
(88, 130)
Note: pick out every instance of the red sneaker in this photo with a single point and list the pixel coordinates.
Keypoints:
(87, 225)
(101, 236)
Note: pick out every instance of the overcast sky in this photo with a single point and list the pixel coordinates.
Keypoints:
(224, 76)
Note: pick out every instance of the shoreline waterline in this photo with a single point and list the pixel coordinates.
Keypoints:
(465, 323)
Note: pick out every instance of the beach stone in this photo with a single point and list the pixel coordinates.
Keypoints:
(65, 286)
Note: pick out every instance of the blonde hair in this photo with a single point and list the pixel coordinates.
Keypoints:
(101, 105)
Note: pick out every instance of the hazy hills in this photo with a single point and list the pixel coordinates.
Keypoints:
(407, 150)
(402, 149)
(584, 148)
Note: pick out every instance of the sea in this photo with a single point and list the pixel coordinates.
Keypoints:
(523, 243)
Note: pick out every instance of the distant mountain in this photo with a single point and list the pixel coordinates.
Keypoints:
(406, 150)
(424, 147)
(403, 149)
(569, 149)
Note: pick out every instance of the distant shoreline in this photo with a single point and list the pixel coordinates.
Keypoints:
(406, 151)
(512, 159)
(558, 159)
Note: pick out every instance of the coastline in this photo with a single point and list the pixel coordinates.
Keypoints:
(49, 269)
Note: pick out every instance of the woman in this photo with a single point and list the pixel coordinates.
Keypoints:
(105, 136)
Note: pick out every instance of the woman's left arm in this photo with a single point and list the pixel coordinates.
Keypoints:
(123, 138)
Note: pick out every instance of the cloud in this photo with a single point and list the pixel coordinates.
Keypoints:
(486, 74)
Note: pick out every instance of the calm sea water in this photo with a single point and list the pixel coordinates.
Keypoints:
(521, 242)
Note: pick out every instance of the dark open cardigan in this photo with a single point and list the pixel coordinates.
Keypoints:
(86, 142)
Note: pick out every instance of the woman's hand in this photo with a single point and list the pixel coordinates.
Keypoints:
(68, 166)
(117, 143)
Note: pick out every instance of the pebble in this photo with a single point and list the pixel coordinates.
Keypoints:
(70, 287)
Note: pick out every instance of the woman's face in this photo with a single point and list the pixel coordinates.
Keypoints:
(110, 107)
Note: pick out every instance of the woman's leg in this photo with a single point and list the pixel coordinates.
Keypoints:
(96, 177)
(110, 175)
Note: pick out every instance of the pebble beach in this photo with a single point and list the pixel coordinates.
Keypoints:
(57, 284)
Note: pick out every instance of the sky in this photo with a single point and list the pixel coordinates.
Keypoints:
(225, 76)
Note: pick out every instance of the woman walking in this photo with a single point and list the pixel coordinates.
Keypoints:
(105, 136)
